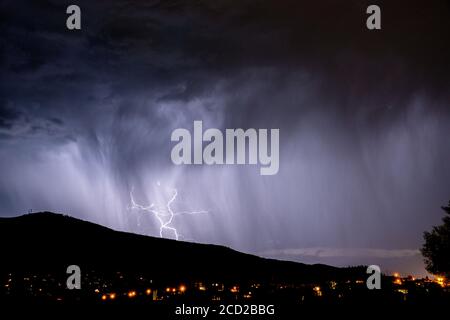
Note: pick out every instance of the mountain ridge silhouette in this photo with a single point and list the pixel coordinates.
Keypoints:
(50, 241)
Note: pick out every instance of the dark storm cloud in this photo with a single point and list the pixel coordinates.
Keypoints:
(364, 116)
(166, 45)
(8, 116)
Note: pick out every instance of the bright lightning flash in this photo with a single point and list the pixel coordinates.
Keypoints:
(165, 215)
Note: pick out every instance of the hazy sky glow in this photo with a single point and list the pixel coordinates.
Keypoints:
(364, 121)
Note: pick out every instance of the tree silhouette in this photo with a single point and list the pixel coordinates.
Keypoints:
(436, 249)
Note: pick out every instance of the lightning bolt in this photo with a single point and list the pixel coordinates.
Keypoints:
(164, 215)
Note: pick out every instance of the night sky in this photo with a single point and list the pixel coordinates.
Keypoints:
(364, 118)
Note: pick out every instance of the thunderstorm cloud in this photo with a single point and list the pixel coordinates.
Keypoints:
(364, 118)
